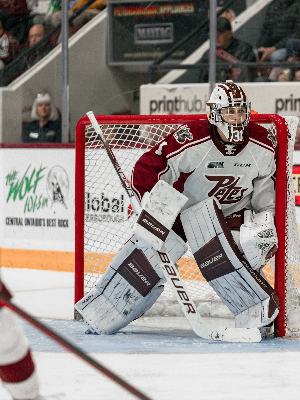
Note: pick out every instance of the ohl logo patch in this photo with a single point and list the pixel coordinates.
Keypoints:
(183, 134)
(226, 189)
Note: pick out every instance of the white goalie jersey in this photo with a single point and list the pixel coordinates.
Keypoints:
(196, 162)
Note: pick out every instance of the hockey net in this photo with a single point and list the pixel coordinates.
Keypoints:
(104, 218)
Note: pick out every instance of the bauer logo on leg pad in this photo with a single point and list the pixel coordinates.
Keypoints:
(213, 261)
(137, 270)
(152, 225)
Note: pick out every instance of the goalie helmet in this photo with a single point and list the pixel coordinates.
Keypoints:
(229, 109)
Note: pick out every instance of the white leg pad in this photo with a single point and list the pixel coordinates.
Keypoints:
(241, 288)
(256, 316)
(129, 287)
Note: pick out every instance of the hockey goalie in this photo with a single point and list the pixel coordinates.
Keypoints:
(210, 184)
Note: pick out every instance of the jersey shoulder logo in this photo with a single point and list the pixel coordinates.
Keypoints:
(183, 134)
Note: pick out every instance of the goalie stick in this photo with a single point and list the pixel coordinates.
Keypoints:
(201, 328)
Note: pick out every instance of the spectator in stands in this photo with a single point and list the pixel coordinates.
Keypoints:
(37, 33)
(228, 13)
(291, 52)
(8, 43)
(297, 76)
(82, 18)
(27, 58)
(229, 50)
(89, 13)
(280, 75)
(17, 18)
(281, 23)
(56, 13)
(45, 125)
(293, 49)
(38, 11)
(277, 74)
(56, 17)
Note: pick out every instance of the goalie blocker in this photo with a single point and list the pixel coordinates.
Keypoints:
(250, 298)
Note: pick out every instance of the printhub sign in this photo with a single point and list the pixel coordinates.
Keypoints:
(38, 198)
(266, 98)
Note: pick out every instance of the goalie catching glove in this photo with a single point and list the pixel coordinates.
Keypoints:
(258, 238)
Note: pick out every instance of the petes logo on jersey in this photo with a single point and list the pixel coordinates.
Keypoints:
(227, 189)
(183, 134)
(215, 164)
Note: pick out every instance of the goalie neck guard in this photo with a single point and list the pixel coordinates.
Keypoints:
(229, 110)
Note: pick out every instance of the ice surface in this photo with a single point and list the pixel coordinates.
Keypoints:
(161, 357)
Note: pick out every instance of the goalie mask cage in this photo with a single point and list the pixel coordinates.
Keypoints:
(103, 215)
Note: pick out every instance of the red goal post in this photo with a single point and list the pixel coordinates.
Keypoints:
(102, 211)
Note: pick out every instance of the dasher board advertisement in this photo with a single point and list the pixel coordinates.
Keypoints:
(141, 31)
(37, 206)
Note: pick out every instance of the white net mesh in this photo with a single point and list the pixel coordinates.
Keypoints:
(293, 245)
(108, 220)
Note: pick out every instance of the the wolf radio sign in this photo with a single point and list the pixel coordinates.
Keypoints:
(37, 197)
(29, 187)
(24, 187)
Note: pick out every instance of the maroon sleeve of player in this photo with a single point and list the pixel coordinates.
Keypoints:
(146, 172)
(151, 165)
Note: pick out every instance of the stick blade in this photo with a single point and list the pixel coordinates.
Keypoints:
(241, 335)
